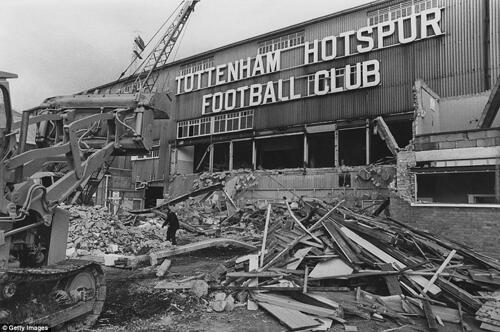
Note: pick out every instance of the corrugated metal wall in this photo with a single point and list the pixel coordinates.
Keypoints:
(451, 65)
(495, 40)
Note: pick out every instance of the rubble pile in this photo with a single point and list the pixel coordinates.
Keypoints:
(323, 264)
(94, 231)
(234, 183)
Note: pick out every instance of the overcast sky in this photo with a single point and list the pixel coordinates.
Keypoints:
(61, 47)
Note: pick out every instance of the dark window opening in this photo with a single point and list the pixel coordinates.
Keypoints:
(283, 152)
(459, 188)
(221, 157)
(152, 194)
(321, 150)
(378, 149)
(352, 147)
(402, 132)
(242, 155)
(344, 180)
(201, 158)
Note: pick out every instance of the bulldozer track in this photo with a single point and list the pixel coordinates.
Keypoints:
(76, 317)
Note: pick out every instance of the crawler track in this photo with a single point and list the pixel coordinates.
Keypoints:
(33, 301)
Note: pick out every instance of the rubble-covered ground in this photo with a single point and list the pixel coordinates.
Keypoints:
(134, 305)
(208, 290)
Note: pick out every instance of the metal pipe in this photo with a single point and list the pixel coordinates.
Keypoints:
(22, 229)
(23, 135)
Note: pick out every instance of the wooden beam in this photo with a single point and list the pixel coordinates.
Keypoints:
(491, 108)
(295, 305)
(300, 224)
(339, 240)
(439, 271)
(264, 239)
(283, 252)
(392, 282)
(386, 258)
(386, 135)
(159, 255)
(292, 319)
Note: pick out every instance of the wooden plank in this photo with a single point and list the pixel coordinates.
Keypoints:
(370, 231)
(265, 274)
(484, 276)
(159, 255)
(386, 135)
(392, 282)
(163, 268)
(429, 315)
(439, 270)
(386, 258)
(264, 239)
(292, 319)
(297, 221)
(283, 252)
(318, 296)
(490, 327)
(459, 294)
(300, 254)
(330, 268)
(447, 314)
(295, 305)
(318, 223)
(344, 247)
(281, 288)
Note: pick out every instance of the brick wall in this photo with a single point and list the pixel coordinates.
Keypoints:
(464, 139)
(476, 227)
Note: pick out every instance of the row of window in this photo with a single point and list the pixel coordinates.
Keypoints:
(281, 43)
(404, 9)
(196, 66)
(218, 124)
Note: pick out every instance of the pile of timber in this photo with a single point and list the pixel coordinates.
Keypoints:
(325, 263)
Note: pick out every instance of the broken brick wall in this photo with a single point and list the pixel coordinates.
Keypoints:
(405, 179)
(477, 227)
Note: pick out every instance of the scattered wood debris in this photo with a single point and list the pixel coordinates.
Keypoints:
(320, 264)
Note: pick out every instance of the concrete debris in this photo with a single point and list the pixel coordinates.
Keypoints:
(234, 184)
(94, 231)
(199, 288)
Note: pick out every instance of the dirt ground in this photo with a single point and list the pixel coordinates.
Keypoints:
(133, 304)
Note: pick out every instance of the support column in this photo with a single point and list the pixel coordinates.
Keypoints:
(306, 152)
(337, 161)
(211, 159)
(367, 127)
(231, 154)
(254, 155)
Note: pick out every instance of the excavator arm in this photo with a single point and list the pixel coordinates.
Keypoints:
(79, 133)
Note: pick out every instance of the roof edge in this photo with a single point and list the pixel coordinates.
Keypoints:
(254, 38)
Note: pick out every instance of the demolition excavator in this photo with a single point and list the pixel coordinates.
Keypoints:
(38, 285)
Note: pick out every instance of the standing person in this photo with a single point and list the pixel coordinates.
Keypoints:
(173, 225)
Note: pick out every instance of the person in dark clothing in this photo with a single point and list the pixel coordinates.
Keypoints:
(173, 226)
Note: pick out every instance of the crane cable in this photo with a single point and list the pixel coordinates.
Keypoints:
(147, 44)
(178, 45)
